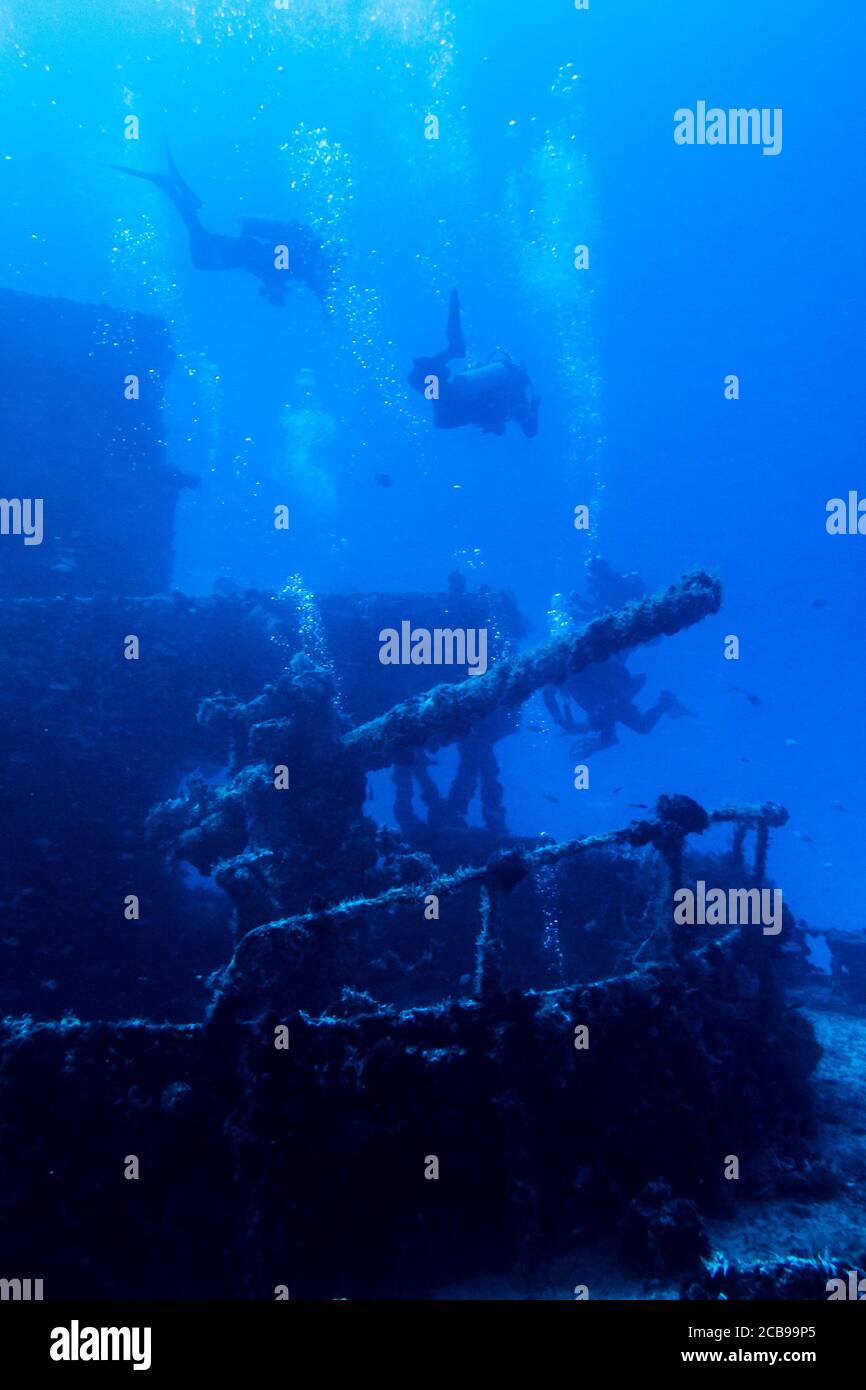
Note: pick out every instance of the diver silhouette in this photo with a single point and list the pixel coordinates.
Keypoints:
(255, 250)
(488, 395)
(606, 691)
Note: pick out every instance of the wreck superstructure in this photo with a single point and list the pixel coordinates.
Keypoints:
(428, 987)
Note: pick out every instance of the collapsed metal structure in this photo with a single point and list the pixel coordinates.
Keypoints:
(305, 1166)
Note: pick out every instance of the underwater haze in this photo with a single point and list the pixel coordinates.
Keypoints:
(661, 308)
(557, 130)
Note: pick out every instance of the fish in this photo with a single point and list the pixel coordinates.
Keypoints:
(638, 805)
(384, 480)
(837, 806)
(807, 839)
(819, 603)
(738, 690)
(615, 790)
(554, 799)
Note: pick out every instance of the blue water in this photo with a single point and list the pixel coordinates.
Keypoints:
(556, 128)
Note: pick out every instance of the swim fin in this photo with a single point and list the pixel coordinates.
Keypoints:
(184, 195)
(162, 181)
(172, 185)
(673, 708)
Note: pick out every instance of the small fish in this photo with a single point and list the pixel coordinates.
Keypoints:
(819, 603)
(615, 790)
(738, 690)
(807, 839)
(554, 799)
(638, 805)
(791, 743)
(745, 760)
(837, 806)
(384, 480)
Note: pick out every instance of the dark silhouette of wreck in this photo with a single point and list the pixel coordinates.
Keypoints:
(408, 1036)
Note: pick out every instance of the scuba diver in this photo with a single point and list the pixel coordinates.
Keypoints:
(487, 395)
(256, 249)
(607, 589)
(477, 767)
(606, 690)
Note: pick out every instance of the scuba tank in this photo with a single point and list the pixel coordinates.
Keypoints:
(498, 378)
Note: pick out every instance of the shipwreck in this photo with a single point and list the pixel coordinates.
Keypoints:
(310, 1007)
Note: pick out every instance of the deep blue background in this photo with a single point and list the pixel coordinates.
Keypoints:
(556, 128)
